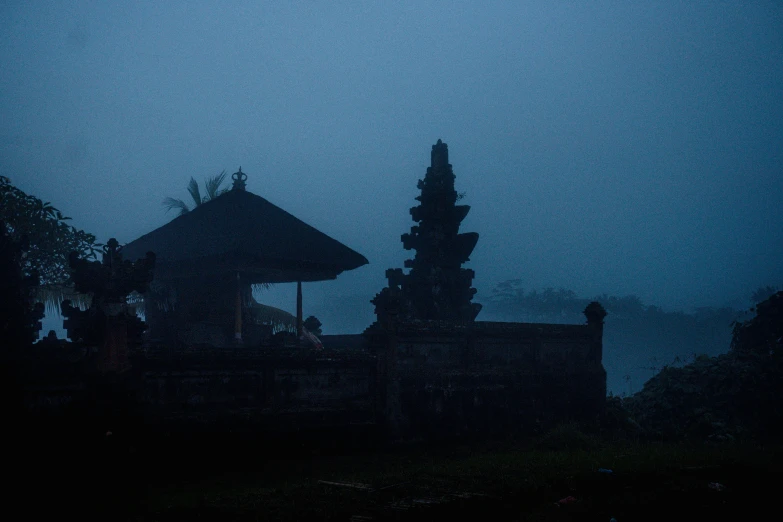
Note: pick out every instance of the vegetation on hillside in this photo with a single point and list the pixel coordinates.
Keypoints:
(736, 395)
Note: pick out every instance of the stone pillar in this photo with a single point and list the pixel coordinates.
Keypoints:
(382, 336)
(595, 314)
(392, 412)
(595, 386)
(114, 352)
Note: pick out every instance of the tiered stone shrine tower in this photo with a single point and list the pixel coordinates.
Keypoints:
(437, 287)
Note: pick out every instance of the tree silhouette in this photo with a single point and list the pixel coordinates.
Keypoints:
(50, 240)
(762, 294)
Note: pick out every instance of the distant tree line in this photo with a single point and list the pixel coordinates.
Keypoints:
(510, 299)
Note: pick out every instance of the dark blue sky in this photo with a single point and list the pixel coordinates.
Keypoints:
(618, 147)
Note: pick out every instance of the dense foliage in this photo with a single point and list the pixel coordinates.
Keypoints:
(50, 239)
(763, 334)
(19, 317)
(738, 394)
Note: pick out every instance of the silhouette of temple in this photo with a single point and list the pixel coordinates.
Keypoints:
(437, 287)
(426, 368)
(208, 259)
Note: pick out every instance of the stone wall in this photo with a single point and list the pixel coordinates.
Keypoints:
(272, 389)
(441, 379)
(419, 379)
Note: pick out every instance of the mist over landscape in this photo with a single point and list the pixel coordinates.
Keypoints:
(606, 149)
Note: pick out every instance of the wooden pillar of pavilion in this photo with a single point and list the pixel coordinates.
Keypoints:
(298, 310)
(238, 313)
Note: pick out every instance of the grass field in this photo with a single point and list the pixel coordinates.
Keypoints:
(510, 480)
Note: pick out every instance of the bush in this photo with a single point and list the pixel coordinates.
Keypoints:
(568, 436)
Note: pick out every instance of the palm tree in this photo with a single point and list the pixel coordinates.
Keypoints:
(211, 187)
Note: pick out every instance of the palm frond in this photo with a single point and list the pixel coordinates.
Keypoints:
(52, 297)
(195, 193)
(280, 320)
(258, 288)
(212, 186)
(176, 204)
(136, 300)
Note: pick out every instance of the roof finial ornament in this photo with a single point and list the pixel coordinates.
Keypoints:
(239, 178)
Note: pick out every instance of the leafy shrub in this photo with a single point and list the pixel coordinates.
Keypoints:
(567, 436)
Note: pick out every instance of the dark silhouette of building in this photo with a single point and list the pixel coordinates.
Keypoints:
(437, 287)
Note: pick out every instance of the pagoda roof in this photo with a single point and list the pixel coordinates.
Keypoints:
(240, 232)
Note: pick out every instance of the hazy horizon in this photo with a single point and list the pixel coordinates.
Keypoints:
(610, 147)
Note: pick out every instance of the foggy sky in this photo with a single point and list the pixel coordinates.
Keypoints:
(618, 147)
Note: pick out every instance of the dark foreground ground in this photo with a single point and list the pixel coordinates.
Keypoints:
(112, 478)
